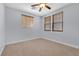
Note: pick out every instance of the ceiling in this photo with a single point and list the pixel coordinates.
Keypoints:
(27, 7)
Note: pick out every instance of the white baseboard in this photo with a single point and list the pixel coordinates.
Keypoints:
(2, 50)
(21, 41)
(67, 44)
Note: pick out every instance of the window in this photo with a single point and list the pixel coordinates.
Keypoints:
(47, 23)
(58, 22)
(54, 22)
(27, 21)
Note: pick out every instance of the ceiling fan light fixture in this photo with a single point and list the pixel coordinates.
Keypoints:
(42, 5)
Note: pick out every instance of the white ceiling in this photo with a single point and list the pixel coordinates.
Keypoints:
(27, 7)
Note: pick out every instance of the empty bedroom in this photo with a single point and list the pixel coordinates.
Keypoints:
(39, 29)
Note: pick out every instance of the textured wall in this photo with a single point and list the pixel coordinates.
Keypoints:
(70, 34)
(2, 28)
(14, 30)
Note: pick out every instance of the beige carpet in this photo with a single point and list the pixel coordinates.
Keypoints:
(39, 47)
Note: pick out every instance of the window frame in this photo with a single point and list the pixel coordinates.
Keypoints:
(58, 22)
(53, 22)
(22, 21)
(47, 23)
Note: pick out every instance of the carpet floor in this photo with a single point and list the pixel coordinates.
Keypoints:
(39, 47)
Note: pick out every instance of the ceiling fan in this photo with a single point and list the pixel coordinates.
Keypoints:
(41, 6)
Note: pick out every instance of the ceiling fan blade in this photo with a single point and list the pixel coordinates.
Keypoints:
(35, 5)
(40, 9)
(47, 7)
